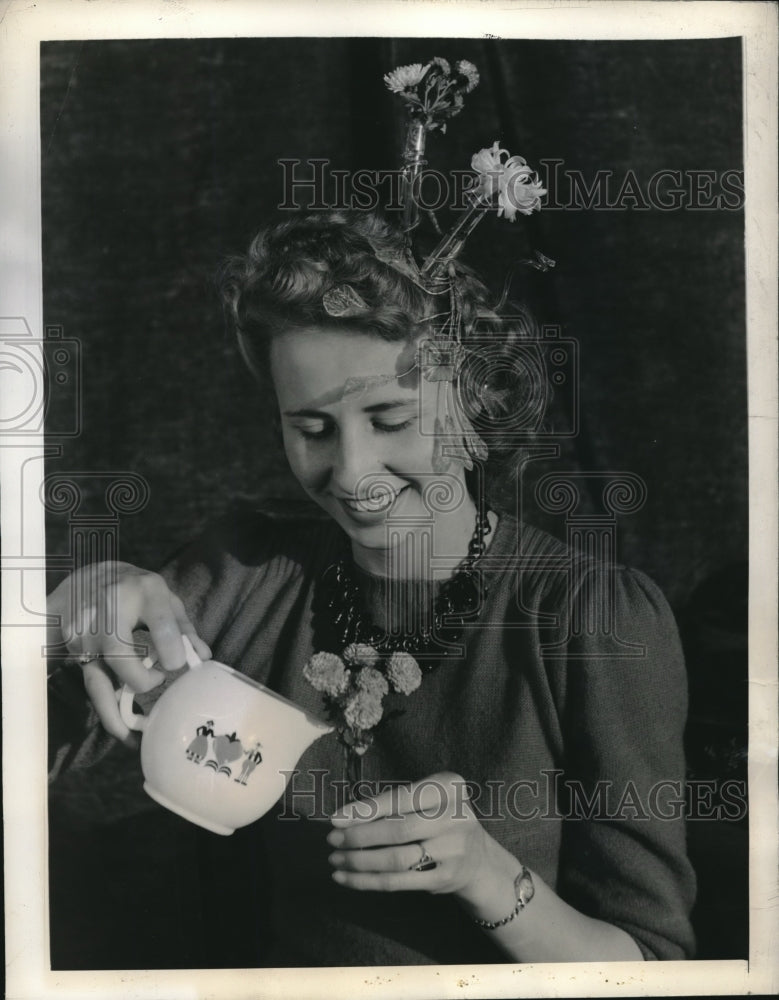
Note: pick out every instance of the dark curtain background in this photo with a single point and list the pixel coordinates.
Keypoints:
(159, 158)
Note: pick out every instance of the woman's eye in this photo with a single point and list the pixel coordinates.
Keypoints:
(320, 430)
(315, 432)
(392, 428)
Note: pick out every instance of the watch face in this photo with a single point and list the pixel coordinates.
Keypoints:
(523, 886)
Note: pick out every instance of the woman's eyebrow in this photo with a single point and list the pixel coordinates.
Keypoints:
(391, 404)
(319, 414)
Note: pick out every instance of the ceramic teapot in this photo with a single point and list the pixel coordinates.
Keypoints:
(217, 747)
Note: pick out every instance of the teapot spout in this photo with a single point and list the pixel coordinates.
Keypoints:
(311, 728)
(305, 729)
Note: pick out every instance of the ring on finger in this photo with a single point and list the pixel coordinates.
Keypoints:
(84, 658)
(426, 862)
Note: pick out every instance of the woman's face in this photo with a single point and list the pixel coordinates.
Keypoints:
(354, 423)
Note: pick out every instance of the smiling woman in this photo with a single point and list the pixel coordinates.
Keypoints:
(373, 421)
(362, 457)
(462, 657)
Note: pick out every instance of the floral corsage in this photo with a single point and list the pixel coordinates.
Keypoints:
(354, 685)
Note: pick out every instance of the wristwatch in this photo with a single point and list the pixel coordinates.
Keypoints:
(524, 889)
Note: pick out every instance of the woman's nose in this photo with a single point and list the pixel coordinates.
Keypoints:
(354, 460)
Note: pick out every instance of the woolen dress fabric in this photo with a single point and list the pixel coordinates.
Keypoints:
(541, 714)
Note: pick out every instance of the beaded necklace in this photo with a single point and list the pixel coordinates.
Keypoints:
(341, 617)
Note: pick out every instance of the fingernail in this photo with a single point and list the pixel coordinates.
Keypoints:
(336, 860)
(335, 838)
(339, 877)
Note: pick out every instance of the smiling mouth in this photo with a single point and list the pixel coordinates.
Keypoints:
(371, 505)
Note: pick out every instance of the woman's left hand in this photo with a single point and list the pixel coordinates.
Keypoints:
(380, 840)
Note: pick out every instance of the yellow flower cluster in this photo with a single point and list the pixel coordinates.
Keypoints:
(355, 696)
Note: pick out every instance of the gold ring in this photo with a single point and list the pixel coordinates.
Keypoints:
(425, 863)
(84, 658)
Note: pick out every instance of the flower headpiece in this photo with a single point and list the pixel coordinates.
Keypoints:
(433, 93)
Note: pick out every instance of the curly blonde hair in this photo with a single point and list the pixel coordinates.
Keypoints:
(282, 282)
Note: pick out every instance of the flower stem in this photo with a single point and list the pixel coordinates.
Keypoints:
(452, 243)
(413, 159)
(352, 771)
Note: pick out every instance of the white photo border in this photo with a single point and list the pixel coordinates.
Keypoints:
(22, 27)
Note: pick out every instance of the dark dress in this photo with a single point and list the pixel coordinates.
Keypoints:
(567, 721)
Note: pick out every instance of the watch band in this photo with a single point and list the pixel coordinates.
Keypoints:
(524, 889)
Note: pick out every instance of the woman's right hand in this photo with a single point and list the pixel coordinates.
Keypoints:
(97, 608)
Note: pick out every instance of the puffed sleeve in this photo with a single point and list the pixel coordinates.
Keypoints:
(624, 856)
(246, 559)
(211, 580)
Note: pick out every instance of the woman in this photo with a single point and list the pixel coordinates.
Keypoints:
(519, 718)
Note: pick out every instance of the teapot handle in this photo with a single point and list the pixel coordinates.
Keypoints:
(125, 695)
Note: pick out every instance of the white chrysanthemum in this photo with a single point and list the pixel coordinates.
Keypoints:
(362, 711)
(442, 64)
(371, 681)
(469, 71)
(517, 186)
(361, 654)
(404, 673)
(327, 673)
(405, 76)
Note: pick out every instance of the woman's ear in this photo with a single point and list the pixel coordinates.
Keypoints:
(456, 436)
